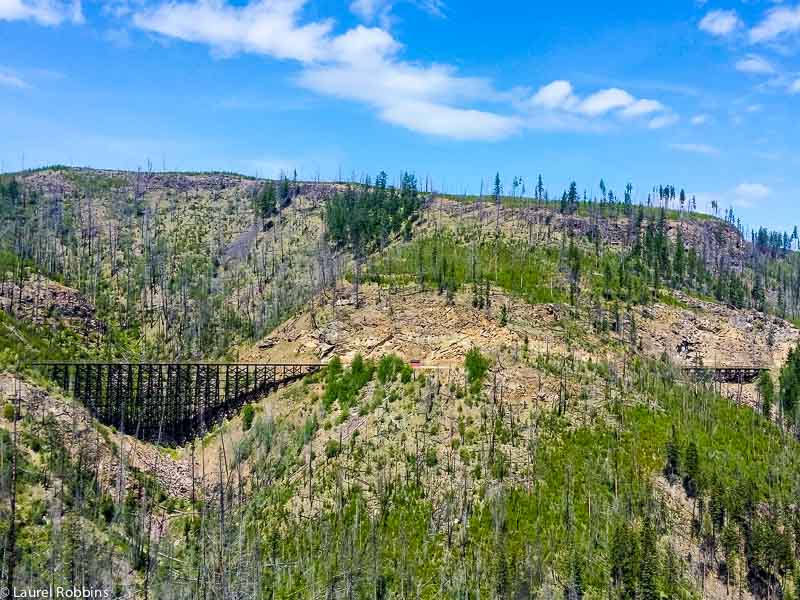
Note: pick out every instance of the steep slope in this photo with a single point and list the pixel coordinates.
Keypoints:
(184, 260)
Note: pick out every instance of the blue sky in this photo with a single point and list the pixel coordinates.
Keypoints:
(701, 95)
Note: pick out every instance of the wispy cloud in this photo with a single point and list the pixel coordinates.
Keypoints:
(663, 121)
(380, 11)
(605, 101)
(747, 195)
(119, 37)
(720, 23)
(701, 119)
(557, 105)
(755, 64)
(424, 98)
(8, 79)
(44, 12)
(696, 148)
(777, 23)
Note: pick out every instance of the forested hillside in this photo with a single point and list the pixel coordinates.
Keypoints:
(547, 443)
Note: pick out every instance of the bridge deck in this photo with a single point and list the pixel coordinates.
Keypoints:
(169, 402)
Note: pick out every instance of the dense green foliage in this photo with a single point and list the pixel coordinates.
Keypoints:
(390, 366)
(343, 385)
(790, 389)
(450, 263)
(365, 217)
(476, 366)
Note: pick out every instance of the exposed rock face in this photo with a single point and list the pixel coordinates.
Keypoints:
(709, 334)
(43, 301)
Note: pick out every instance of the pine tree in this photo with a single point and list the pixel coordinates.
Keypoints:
(498, 191)
(680, 259)
(690, 479)
(648, 585)
(766, 391)
(672, 467)
(265, 202)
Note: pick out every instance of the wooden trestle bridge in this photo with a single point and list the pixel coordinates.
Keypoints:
(169, 403)
(735, 375)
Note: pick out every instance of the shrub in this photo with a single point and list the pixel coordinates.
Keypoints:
(431, 458)
(476, 366)
(247, 417)
(8, 411)
(344, 386)
(332, 449)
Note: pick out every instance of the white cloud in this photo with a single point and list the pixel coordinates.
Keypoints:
(744, 195)
(271, 167)
(605, 101)
(369, 9)
(373, 10)
(643, 107)
(44, 12)
(10, 80)
(695, 148)
(361, 64)
(381, 10)
(777, 22)
(755, 64)
(555, 95)
(663, 121)
(118, 37)
(455, 123)
(720, 22)
(263, 27)
(699, 119)
(559, 107)
(747, 195)
(794, 87)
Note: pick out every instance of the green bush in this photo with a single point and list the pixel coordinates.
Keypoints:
(344, 386)
(332, 449)
(247, 417)
(476, 366)
(389, 366)
(8, 411)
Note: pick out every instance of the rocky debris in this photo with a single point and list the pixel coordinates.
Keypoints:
(710, 334)
(240, 247)
(42, 301)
